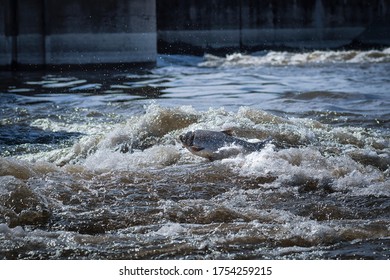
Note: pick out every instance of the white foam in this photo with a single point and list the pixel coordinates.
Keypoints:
(171, 229)
(64, 84)
(12, 232)
(308, 229)
(20, 90)
(344, 156)
(87, 128)
(296, 166)
(86, 87)
(107, 160)
(289, 58)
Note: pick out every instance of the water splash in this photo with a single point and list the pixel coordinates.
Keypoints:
(289, 58)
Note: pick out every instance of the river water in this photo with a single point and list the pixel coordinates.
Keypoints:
(91, 166)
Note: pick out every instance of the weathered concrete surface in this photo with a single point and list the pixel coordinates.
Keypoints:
(80, 32)
(5, 52)
(93, 32)
(75, 32)
(197, 26)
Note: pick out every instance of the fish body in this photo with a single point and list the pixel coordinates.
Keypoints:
(215, 145)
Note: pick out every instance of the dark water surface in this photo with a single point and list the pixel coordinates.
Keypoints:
(91, 166)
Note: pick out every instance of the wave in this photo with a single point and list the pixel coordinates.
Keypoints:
(133, 185)
(291, 58)
(150, 140)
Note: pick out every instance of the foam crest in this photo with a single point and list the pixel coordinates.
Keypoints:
(290, 58)
(302, 149)
(23, 169)
(157, 156)
(309, 170)
(17, 231)
(171, 229)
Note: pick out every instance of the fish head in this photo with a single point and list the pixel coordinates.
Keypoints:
(187, 139)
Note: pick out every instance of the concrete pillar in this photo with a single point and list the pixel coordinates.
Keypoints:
(100, 31)
(30, 39)
(194, 26)
(7, 32)
(77, 32)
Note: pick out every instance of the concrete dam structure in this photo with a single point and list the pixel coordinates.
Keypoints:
(77, 32)
(247, 25)
(36, 33)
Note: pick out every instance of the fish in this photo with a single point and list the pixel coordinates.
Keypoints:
(217, 145)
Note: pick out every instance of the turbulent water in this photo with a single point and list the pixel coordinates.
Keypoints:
(91, 166)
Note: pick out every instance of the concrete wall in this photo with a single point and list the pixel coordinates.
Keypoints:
(195, 26)
(77, 32)
(97, 32)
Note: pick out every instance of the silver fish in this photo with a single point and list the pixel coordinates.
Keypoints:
(215, 145)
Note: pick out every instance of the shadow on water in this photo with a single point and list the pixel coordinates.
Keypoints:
(20, 134)
(24, 134)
